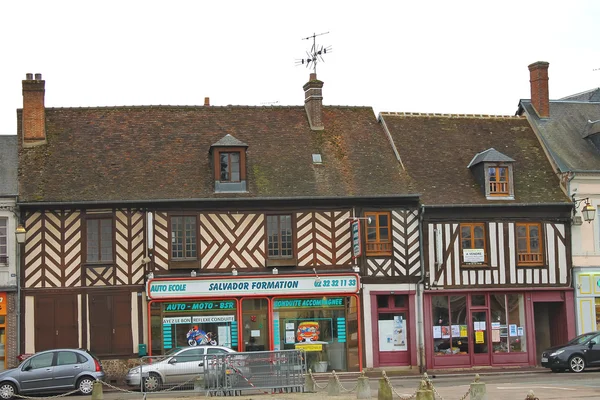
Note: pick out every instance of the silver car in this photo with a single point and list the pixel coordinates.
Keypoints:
(177, 367)
(60, 370)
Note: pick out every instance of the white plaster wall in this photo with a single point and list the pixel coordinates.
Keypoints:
(370, 341)
(586, 237)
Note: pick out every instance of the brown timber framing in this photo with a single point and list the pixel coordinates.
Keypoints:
(502, 269)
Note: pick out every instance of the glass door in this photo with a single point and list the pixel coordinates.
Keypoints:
(480, 337)
(255, 324)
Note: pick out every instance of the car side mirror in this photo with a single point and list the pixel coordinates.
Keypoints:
(173, 361)
(591, 344)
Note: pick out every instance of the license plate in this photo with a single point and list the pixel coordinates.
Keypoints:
(544, 359)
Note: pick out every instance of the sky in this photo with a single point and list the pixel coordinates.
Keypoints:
(467, 57)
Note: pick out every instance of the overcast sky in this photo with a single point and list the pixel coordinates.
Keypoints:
(414, 56)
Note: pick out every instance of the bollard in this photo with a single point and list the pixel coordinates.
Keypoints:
(385, 391)
(309, 384)
(333, 388)
(478, 391)
(97, 391)
(363, 389)
(425, 391)
(531, 396)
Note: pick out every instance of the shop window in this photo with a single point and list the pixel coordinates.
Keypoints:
(183, 324)
(597, 303)
(280, 246)
(322, 327)
(450, 329)
(473, 246)
(508, 323)
(3, 241)
(529, 244)
(99, 238)
(378, 237)
(478, 300)
(183, 238)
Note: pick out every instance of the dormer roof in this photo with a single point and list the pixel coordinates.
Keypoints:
(229, 141)
(489, 155)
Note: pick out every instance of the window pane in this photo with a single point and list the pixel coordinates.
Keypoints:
(66, 358)
(235, 167)
(224, 157)
(106, 240)
(371, 234)
(273, 235)
(383, 301)
(401, 301)
(286, 235)
(522, 245)
(177, 237)
(502, 174)
(479, 243)
(492, 174)
(383, 221)
(190, 237)
(3, 240)
(92, 240)
(478, 231)
(521, 231)
(384, 235)
(516, 323)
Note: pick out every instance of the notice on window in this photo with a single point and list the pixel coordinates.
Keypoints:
(437, 332)
(520, 331)
(290, 337)
(289, 326)
(479, 337)
(474, 256)
(456, 331)
(495, 335)
(445, 332)
(463, 331)
(512, 330)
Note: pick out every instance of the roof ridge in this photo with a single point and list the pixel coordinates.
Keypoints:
(417, 114)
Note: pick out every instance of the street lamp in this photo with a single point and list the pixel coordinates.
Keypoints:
(588, 211)
(21, 234)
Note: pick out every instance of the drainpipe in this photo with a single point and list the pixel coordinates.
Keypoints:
(420, 328)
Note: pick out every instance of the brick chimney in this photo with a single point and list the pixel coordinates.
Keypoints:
(540, 98)
(34, 112)
(313, 102)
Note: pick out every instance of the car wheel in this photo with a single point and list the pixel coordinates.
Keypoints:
(556, 369)
(152, 382)
(576, 364)
(85, 385)
(192, 342)
(7, 390)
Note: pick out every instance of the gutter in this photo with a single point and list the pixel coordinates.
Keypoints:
(337, 200)
(496, 205)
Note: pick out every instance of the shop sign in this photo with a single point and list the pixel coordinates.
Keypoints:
(3, 303)
(200, 306)
(474, 256)
(304, 303)
(356, 242)
(162, 288)
(199, 319)
(309, 347)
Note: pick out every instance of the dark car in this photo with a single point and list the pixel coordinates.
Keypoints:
(60, 370)
(576, 355)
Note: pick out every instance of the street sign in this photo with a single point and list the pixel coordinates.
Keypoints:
(356, 242)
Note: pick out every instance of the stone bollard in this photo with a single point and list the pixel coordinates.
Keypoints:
(333, 388)
(363, 389)
(478, 391)
(425, 391)
(385, 391)
(309, 384)
(97, 393)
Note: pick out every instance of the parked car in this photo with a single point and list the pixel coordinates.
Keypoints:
(60, 370)
(176, 367)
(576, 355)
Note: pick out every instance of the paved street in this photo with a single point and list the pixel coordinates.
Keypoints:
(500, 386)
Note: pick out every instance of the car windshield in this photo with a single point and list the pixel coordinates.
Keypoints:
(583, 338)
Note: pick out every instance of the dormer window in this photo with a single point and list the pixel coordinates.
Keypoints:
(498, 181)
(229, 164)
(494, 172)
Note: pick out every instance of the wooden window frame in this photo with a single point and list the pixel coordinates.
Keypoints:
(216, 162)
(276, 261)
(378, 247)
(100, 217)
(507, 183)
(529, 259)
(472, 225)
(183, 262)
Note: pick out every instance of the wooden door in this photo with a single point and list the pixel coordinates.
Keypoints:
(110, 324)
(56, 322)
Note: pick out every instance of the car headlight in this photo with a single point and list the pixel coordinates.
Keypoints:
(557, 352)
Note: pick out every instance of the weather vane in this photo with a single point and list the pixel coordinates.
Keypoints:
(316, 53)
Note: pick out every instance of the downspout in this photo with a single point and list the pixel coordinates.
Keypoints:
(420, 328)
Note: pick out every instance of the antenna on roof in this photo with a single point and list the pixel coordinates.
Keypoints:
(316, 53)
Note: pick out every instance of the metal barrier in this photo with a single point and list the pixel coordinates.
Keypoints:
(267, 371)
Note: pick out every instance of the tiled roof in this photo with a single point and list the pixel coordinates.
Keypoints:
(8, 165)
(436, 149)
(489, 155)
(229, 141)
(564, 133)
(592, 95)
(162, 152)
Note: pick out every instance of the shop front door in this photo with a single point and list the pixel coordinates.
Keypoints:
(480, 337)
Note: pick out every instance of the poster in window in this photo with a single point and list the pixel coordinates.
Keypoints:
(495, 335)
(473, 256)
(479, 337)
(437, 332)
(512, 330)
(456, 331)
(388, 336)
(399, 333)
(463, 331)
(445, 332)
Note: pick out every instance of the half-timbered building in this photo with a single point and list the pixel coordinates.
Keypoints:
(496, 229)
(149, 227)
